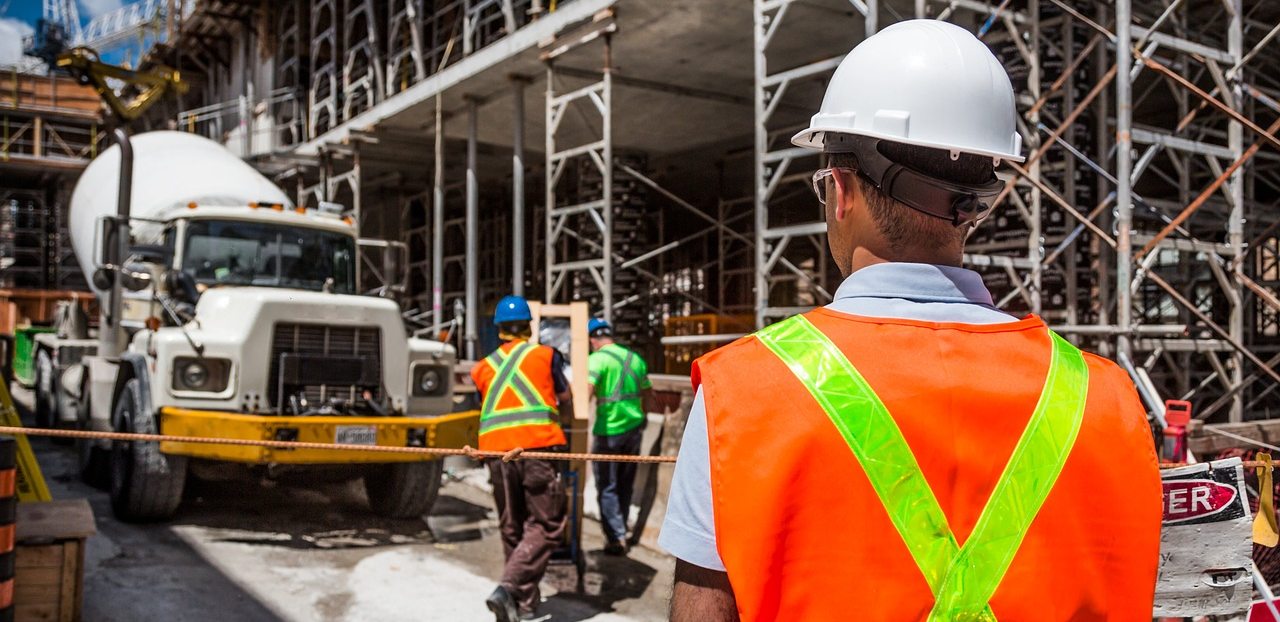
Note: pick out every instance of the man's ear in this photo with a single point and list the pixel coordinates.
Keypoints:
(847, 192)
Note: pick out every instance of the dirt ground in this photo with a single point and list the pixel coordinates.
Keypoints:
(252, 550)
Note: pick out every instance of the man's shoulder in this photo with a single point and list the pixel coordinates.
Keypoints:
(736, 350)
(1103, 369)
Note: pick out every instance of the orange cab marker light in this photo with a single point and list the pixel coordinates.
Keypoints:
(191, 205)
(300, 210)
(279, 207)
(347, 219)
(253, 205)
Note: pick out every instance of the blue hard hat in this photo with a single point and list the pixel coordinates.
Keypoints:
(597, 324)
(512, 309)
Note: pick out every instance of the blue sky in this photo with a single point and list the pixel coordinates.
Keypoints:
(18, 19)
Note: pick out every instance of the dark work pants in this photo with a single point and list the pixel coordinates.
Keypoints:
(615, 481)
(531, 510)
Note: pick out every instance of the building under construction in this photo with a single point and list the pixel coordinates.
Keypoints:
(636, 155)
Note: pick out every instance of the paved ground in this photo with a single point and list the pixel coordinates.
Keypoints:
(251, 550)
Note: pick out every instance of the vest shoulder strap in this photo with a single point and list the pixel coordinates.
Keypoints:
(510, 376)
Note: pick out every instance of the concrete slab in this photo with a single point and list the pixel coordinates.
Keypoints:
(684, 75)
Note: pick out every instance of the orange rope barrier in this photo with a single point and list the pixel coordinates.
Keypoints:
(507, 456)
(468, 451)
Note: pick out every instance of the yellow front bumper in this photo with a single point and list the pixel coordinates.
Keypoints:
(452, 430)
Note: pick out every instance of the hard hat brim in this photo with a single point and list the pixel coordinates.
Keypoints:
(811, 138)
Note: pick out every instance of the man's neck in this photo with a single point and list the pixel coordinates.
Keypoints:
(863, 257)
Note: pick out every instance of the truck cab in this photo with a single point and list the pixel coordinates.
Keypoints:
(244, 319)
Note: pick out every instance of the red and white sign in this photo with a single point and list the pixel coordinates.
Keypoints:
(1189, 499)
(1260, 612)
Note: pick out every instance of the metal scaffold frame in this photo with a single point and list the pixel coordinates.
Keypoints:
(1134, 276)
(592, 261)
(323, 93)
(777, 166)
(362, 69)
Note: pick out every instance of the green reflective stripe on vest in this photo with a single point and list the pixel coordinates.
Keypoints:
(874, 438)
(616, 395)
(621, 397)
(513, 418)
(1024, 485)
(504, 365)
(961, 579)
(509, 375)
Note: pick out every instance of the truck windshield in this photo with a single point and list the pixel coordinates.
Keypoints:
(219, 252)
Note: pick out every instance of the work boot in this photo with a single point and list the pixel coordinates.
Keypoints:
(615, 547)
(502, 605)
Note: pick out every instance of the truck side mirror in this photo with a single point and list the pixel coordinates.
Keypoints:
(130, 280)
(134, 281)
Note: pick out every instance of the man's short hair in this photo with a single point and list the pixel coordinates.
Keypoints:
(901, 225)
(516, 329)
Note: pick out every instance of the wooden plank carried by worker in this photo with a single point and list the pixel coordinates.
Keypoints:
(1206, 542)
(31, 484)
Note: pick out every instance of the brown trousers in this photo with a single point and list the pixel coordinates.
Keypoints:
(531, 509)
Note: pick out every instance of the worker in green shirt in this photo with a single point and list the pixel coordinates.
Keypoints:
(620, 384)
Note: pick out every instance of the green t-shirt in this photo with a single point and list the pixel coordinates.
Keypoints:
(619, 375)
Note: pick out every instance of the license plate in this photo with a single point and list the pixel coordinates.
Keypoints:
(356, 435)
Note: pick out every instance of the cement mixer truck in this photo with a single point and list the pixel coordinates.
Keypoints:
(229, 312)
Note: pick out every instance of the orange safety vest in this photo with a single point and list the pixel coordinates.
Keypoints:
(519, 398)
(805, 535)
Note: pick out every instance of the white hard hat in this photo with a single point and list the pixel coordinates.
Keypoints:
(921, 82)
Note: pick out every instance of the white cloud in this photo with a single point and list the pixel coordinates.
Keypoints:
(12, 32)
(94, 8)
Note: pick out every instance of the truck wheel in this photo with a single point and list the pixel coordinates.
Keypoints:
(92, 463)
(145, 484)
(46, 402)
(91, 459)
(404, 490)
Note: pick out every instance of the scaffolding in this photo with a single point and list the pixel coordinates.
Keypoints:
(1125, 272)
(1142, 223)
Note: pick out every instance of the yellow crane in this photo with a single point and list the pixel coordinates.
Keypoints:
(152, 84)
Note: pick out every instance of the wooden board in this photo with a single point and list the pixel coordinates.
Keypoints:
(56, 94)
(1202, 442)
(49, 581)
(20, 307)
(49, 560)
(1206, 542)
(54, 521)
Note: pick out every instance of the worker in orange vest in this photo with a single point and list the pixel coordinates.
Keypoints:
(909, 452)
(525, 400)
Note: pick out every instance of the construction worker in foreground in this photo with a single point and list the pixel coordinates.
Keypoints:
(620, 382)
(525, 399)
(909, 452)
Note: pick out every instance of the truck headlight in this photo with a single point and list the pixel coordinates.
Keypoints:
(430, 380)
(204, 375)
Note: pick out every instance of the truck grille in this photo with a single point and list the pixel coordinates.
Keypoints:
(300, 341)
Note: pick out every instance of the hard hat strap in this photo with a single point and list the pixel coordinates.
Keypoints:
(961, 204)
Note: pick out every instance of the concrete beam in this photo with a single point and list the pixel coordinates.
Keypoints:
(490, 57)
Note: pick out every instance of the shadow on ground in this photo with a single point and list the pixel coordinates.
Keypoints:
(608, 580)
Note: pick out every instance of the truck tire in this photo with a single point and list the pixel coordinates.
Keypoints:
(46, 402)
(92, 463)
(145, 484)
(404, 490)
(91, 459)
